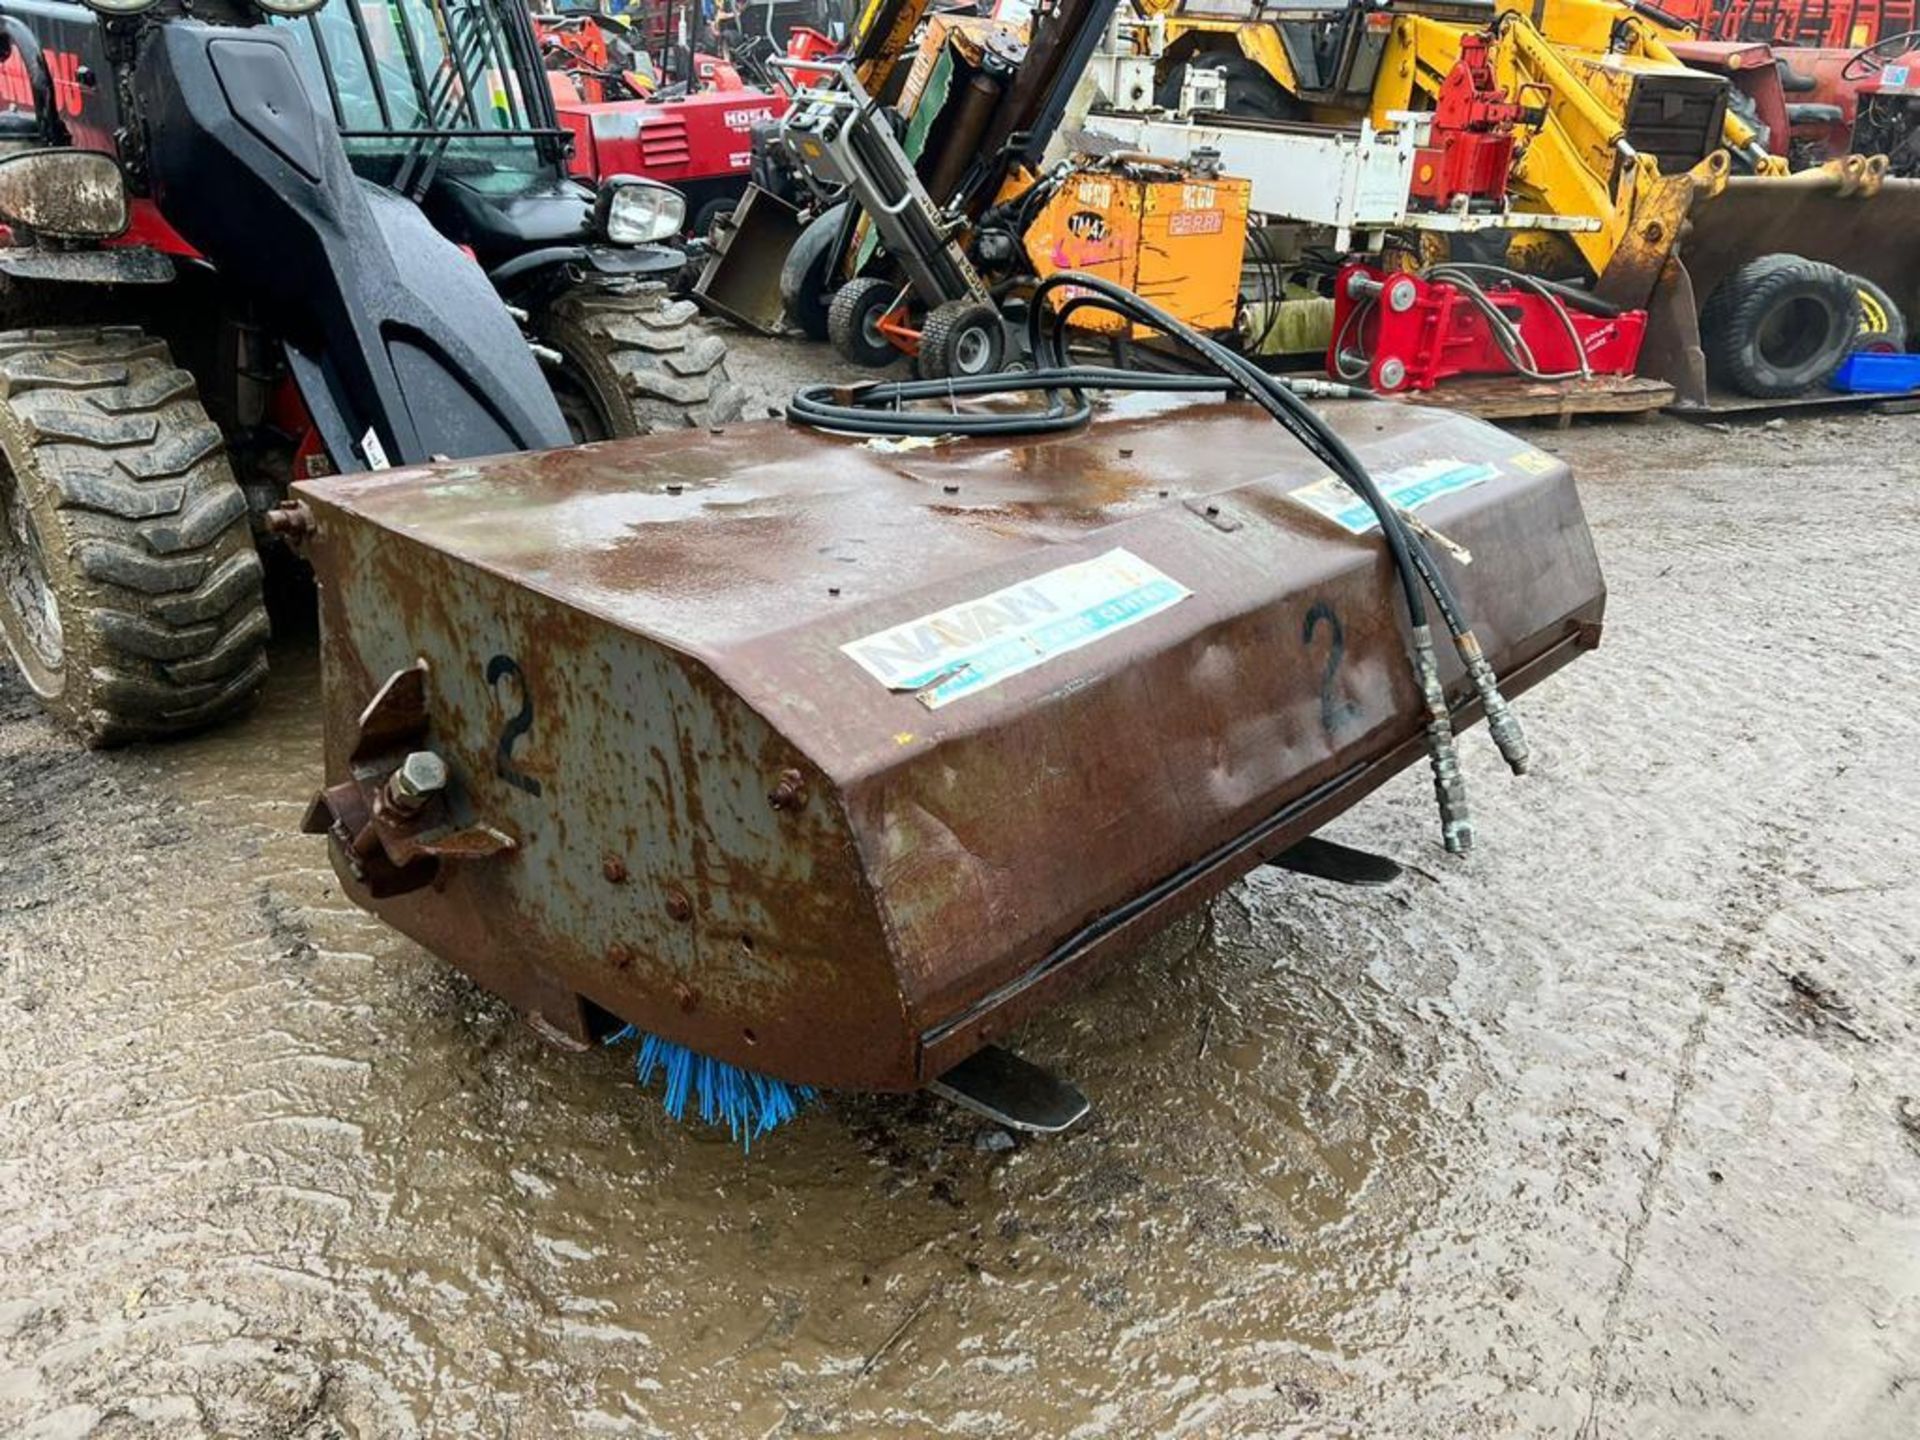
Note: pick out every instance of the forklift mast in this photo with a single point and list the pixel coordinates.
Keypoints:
(1065, 34)
(882, 38)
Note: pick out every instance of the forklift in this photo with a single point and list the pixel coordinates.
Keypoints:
(941, 203)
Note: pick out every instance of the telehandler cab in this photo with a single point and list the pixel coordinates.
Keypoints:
(251, 243)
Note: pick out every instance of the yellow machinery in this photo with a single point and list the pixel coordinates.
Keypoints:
(1173, 238)
(1630, 136)
(956, 208)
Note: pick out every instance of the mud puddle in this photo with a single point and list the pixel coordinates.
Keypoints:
(1539, 1143)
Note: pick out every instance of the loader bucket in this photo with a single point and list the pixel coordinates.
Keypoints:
(836, 762)
(741, 278)
(1846, 213)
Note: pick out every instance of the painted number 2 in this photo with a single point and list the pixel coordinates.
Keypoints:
(1335, 714)
(516, 700)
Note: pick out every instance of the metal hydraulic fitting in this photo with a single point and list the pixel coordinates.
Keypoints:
(1502, 723)
(1310, 388)
(1449, 784)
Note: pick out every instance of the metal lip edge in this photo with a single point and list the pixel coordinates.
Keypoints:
(1084, 944)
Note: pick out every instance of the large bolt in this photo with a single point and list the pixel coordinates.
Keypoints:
(421, 776)
(291, 520)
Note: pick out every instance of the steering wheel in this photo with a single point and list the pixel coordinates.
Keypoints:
(1874, 58)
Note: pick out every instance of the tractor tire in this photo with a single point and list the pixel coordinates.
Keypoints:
(853, 320)
(1883, 329)
(962, 338)
(806, 277)
(130, 589)
(1779, 326)
(635, 361)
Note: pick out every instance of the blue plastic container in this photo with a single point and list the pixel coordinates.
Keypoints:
(1865, 373)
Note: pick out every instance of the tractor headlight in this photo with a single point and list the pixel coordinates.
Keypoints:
(289, 7)
(120, 7)
(631, 211)
(64, 194)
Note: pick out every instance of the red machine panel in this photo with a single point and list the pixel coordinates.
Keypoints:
(1407, 332)
(708, 136)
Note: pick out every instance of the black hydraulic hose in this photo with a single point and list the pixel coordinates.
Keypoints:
(1573, 295)
(1412, 557)
(1505, 332)
(1277, 400)
(17, 39)
(1661, 17)
(875, 409)
(879, 409)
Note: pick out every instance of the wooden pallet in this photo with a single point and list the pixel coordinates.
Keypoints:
(1509, 397)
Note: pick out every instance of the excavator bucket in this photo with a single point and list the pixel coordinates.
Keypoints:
(1847, 213)
(835, 761)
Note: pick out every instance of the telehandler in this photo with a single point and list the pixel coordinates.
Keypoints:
(252, 243)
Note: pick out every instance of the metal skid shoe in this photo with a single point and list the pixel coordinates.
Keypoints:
(1012, 1092)
(1342, 864)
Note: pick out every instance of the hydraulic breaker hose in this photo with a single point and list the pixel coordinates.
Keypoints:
(1322, 442)
(879, 410)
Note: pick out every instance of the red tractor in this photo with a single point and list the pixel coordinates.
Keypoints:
(1817, 103)
(695, 134)
(1799, 24)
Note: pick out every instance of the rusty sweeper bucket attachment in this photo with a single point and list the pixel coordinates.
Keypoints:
(837, 761)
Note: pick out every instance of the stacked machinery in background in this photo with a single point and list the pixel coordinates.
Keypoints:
(927, 155)
(1689, 211)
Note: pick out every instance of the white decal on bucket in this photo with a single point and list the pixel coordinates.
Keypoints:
(979, 643)
(1407, 489)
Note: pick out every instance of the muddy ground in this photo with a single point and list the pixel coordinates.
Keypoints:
(1607, 1131)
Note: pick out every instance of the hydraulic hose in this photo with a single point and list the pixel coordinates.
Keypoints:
(1506, 334)
(880, 409)
(1322, 442)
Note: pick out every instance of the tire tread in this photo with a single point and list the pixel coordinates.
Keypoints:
(670, 365)
(163, 580)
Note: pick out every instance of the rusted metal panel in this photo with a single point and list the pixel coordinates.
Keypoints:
(725, 830)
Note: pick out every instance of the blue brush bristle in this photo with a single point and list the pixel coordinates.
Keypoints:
(748, 1103)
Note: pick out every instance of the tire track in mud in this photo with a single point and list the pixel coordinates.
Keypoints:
(1360, 1164)
(1756, 899)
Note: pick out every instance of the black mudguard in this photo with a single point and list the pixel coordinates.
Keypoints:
(393, 332)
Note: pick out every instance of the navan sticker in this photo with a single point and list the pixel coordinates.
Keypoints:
(1406, 489)
(975, 645)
